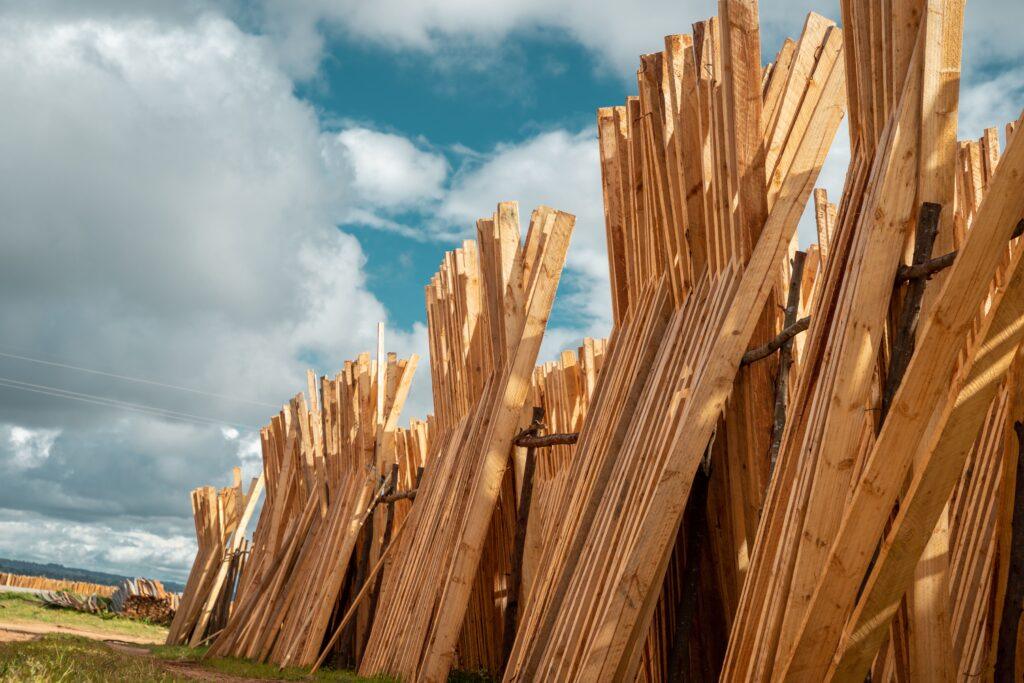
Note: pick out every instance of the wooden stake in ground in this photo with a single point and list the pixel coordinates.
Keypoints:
(904, 338)
(522, 520)
(786, 358)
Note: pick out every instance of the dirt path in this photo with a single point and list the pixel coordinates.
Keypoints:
(12, 631)
(9, 636)
(33, 629)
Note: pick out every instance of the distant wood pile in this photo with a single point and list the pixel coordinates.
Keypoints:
(45, 584)
(134, 598)
(92, 604)
(144, 599)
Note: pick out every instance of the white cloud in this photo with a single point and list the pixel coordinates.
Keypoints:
(614, 32)
(29, 448)
(168, 215)
(250, 457)
(167, 554)
(297, 32)
(173, 187)
(991, 36)
(992, 102)
(386, 170)
(557, 168)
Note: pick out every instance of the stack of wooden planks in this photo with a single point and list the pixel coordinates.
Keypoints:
(489, 368)
(464, 326)
(328, 457)
(91, 604)
(220, 518)
(782, 465)
(148, 588)
(135, 598)
(55, 585)
(702, 202)
(889, 415)
(145, 599)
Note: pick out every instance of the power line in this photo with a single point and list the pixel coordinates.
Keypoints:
(124, 405)
(116, 403)
(134, 379)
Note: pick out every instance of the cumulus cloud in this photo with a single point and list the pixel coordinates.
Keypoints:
(557, 168)
(613, 32)
(383, 170)
(298, 33)
(994, 101)
(406, 187)
(168, 215)
(166, 551)
(29, 448)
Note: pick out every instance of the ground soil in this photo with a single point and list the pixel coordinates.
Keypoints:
(128, 645)
(15, 630)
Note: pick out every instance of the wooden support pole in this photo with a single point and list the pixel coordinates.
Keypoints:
(924, 271)
(395, 497)
(775, 344)
(362, 624)
(1013, 601)
(385, 541)
(519, 545)
(785, 359)
(905, 338)
(931, 266)
(547, 440)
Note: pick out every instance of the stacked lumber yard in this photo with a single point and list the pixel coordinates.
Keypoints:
(782, 464)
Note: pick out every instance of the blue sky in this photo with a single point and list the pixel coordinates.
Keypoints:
(214, 195)
(541, 83)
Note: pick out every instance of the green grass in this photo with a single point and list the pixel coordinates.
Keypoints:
(60, 657)
(248, 669)
(27, 607)
(178, 653)
(73, 658)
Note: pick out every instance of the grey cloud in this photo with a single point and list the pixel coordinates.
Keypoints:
(168, 216)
